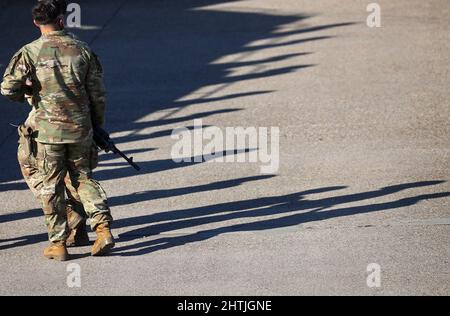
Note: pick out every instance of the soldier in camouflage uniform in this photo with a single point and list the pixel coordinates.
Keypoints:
(68, 99)
(28, 152)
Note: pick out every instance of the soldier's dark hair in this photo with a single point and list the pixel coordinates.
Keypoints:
(47, 11)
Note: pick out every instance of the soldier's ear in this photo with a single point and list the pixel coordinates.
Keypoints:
(36, 23)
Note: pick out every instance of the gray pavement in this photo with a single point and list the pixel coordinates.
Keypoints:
(364, 150)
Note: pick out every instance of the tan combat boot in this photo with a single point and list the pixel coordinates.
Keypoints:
(78, 235)
(57, 251)
(104, 242)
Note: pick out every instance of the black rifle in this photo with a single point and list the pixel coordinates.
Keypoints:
(104, 142)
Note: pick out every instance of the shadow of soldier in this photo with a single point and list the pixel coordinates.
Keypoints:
(123, 200)
(305, 211)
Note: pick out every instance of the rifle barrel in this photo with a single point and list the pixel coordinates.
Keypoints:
(103, 141)
(129, 160)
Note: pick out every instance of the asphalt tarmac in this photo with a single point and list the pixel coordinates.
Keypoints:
(363, 115)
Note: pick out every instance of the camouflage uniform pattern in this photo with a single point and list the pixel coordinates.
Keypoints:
(68, 87)
(28, 157)
(76, 160)
(68, 97)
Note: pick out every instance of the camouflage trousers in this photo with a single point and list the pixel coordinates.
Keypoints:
(52, 170)
(28, 153)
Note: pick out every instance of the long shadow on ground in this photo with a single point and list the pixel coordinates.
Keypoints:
(297, 207)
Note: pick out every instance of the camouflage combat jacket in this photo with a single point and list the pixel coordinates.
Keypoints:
(68, 91)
